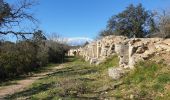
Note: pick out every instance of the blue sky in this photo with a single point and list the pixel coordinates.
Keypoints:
(84, 18)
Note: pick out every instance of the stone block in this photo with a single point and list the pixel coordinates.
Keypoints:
(116, 73)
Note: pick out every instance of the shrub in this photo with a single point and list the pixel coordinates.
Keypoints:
(25, 56)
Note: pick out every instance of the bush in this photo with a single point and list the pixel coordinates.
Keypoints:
(16, 59)
(25, 56)
(56, 51)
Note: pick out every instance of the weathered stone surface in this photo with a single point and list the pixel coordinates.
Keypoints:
(116, 73)
(140, 50)
(93, 60)
(161, 47)
(129, 51)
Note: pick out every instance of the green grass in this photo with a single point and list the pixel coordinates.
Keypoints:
(79, 80)
(111, 62)
(147, 81)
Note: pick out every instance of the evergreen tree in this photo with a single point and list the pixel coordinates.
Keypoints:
(134, 21)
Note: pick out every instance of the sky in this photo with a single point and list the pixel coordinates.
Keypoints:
(83, 18)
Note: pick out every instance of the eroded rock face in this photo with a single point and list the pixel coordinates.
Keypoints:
(129, 51)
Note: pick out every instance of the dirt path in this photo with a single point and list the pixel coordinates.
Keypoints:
(22, 84)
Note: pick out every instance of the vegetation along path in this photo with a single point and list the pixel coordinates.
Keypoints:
(20, 85)
(78, 80)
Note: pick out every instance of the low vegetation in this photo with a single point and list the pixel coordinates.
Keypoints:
(30, 49)
(149, 80)
(79, 80)
(28, 55)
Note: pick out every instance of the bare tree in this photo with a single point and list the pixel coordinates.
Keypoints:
(13, 15)
(57, 38)
(164, 24)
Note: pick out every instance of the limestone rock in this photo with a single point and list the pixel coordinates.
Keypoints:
(140, 50)
(93, 60)
(98, 62)
(116, 73)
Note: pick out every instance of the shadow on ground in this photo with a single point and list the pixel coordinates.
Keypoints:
(76, 80)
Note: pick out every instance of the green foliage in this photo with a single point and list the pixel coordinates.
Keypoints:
(17, 58)
(28, 55)
(132, 22)
(38, 36)
(56, 51)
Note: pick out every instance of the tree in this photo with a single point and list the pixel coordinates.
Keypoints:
(164, 24)
(13, 15)
(39, 40)
(106, 33)
(86, 43)
(135, 21)
(39, 36)
(57, 38)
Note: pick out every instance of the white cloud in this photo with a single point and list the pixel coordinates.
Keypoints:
(78, 40)
(74, 41)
